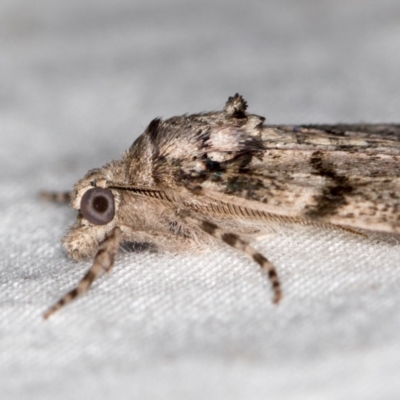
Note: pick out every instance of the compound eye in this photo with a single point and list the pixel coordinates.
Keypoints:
(97, 206)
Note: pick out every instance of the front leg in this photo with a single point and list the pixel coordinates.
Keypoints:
(103, 262)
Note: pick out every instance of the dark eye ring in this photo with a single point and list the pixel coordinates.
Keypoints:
(97, 206)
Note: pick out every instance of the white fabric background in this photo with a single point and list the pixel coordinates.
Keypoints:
(78, 82)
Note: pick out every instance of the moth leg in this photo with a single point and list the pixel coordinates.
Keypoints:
(55, 197)
(238, 243)
(103, 261)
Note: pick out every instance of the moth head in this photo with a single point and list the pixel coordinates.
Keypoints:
(96, 203)
(97, 208)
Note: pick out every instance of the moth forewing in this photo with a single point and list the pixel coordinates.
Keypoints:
(193, 181)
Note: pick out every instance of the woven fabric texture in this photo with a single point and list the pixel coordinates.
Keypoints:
(79, 81)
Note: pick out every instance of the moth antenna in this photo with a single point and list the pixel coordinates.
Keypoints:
(103, 261)
(55, 197)
(238, 243)
(349, 230)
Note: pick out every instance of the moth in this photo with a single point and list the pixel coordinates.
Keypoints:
(193, 181)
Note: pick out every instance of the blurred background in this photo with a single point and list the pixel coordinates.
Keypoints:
(79, 81)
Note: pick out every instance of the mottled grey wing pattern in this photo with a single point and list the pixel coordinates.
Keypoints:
(339, 174)
(379, 131)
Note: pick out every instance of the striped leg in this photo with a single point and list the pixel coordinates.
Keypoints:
(55, 197)
(103, 261)
(237, 242)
